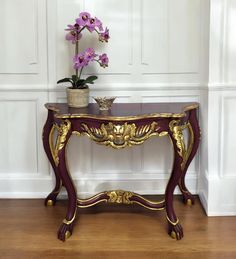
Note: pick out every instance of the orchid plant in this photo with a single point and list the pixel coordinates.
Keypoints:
(84, 58)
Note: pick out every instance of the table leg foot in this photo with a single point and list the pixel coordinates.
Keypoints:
(188, 199)
(175, 231)
(65, 231)
(50, 200)
(52, 197)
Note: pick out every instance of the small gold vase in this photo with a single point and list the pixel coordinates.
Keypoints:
(105, 102)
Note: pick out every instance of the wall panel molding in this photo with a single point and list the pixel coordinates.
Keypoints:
(177, 26)
(14, 42)
(132, 77)
(226, 133)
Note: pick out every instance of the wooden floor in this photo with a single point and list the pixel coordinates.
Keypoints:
(28, 230)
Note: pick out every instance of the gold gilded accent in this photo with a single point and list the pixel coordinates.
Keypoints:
(122, 135)
(51, 144)
(145, 206)
(63, 130)
(177, 131)
(67, 234)
(171, 222)
(173, 235)
(77, 133)
(91, 198)
(80, 205)
(119, 196)
(81, 201)
(114, 194)
(49, 203)
(119, 118)
(191, 140)
(151, 202)
(68, 222)
(189, 202)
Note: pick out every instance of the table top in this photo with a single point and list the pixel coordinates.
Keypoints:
(123, 110)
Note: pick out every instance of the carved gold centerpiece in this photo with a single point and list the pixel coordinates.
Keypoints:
(122, 135)
(119, 196)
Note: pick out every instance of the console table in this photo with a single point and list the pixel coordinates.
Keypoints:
(123, 126)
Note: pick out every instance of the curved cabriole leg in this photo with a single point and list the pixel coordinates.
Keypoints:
(174, 228)
(66, 227)
(48, 147)
(194, 140)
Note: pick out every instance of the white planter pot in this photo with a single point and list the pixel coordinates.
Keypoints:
(77, 98)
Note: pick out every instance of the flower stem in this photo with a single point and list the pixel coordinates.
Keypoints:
(76, 53)
(80, 72)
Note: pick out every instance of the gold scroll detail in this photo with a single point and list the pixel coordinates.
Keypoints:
(119, 196)
(177, 131)
(122, 135)
(62, 130)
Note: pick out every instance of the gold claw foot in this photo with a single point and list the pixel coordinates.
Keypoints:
(175, 230)
(173, 235)
(188, 199)
(65, 231)
(49, 203)
(189, 202)
(67, 234)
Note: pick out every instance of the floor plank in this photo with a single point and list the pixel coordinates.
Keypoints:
(28, 230)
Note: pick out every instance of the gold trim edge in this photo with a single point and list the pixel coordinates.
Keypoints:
(171, 222)
(68, 222)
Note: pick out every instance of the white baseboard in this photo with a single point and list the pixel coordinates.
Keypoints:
(40, 188)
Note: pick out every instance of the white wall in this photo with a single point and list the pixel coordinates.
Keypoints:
(158, 53)
(218, 173)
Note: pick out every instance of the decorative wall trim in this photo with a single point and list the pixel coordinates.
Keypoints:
(222, 124)
(222, 86)
(107, 87)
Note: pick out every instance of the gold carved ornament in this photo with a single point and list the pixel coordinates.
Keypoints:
(177, 131)
(122, 135)
(62, 130)
(119, 196)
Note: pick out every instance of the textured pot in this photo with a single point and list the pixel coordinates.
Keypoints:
(77, 98)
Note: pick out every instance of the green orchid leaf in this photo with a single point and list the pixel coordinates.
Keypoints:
(65, 80)
(80, 82)
(74, 78)
(91, 78)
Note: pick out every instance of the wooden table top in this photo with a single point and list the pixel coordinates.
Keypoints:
(124, 110)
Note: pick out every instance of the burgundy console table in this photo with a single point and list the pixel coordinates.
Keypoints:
(124, 125)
